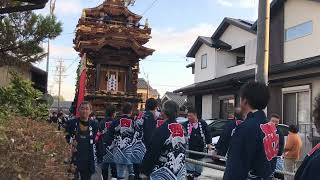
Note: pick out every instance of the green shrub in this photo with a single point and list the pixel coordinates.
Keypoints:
(20, 98)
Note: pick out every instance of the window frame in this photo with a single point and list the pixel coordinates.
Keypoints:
(296, 90)
(237, 60)
(293, 27)
(226, 98)
(202, 65)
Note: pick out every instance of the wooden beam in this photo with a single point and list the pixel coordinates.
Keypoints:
(21, 8)
(34, 1)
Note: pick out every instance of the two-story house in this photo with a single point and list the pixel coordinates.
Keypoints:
(226, 61)
(230, 50)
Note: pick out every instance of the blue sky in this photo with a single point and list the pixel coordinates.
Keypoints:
(175, 26)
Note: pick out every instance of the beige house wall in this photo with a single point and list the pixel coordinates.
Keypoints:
(145, 96)
(297, 12)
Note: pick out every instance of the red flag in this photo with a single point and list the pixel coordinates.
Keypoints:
(82, 90)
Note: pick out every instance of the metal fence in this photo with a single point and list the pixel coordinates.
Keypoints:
(218, 167)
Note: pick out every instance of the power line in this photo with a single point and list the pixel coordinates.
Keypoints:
(75, 60)
(149, 7)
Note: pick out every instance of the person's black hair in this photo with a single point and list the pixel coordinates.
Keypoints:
(316, 113)
(151, 104)
(127, 108)
(257, 95)
(275, 116)
(191, 110)
(170, 109)
(92, 114)
(85, 103)
(293, 129)
(110, 110)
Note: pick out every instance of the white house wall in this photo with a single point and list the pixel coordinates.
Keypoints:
(295, 13)
(206, 106)
(236, 37)
(209, 72)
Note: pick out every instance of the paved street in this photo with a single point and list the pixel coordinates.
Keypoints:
(206, 175)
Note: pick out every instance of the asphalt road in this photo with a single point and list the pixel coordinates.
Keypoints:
(208, 174)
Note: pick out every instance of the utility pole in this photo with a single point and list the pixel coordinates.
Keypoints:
(262, 57)
(60, 69)
(147, 76)
(52, 7)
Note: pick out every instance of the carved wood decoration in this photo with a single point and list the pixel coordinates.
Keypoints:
(112, 37)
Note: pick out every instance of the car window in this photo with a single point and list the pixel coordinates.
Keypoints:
(284, 129)
(218, 125)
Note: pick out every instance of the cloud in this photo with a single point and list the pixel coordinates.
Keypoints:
(60, 51)
(238, 3)
(67, 89)
(169, 41)
(224, 3)
(65, 7)
(68, 7)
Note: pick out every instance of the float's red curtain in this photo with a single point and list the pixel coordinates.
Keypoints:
(82, 84)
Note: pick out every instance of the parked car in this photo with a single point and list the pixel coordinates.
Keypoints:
(217, 127)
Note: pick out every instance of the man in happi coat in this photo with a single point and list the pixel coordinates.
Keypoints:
(165, 159)
(81, 133)
(121, 135)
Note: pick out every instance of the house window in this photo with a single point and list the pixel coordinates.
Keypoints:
(296, 106)
(227, 106)
(298, 31)
(240, 60)
(204, 61)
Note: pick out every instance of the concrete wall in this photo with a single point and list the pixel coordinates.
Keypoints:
(295, 13)
(5, 75)
(207, 106)
(209, 72)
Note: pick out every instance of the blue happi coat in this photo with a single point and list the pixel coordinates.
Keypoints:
(120, 136)
(253, 149)
(309, 169)
(165, 159)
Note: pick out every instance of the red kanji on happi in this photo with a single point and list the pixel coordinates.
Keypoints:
(314, 149)
(108, 125)
(176, 130)
(140, 115)
(159, 122)
(124, 122)
(270, 140)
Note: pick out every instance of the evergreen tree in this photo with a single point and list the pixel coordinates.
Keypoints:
(22, 34)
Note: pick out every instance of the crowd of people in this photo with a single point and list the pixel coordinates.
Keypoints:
(153, 145)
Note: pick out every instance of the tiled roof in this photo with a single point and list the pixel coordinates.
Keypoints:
(240, 23)
(242, 76)
(142, 84)
(176, 97)
(209, 42)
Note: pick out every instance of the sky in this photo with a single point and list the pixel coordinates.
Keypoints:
(175, 24)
